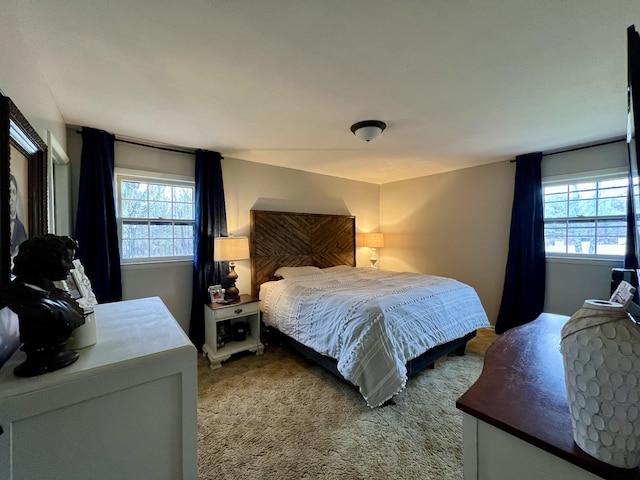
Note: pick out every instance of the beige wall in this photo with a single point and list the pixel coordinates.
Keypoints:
(570, 281)
(255, 186)
(250, 186)
(247, 185)
(454, 224)
(21, 80)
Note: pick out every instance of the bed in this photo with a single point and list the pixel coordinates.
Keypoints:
(374, 328)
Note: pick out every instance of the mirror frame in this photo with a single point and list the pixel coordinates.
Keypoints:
(16, 131)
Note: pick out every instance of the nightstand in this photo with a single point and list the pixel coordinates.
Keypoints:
(219, 317)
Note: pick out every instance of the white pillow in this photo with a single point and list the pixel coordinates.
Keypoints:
(288, 272)
(336, 268)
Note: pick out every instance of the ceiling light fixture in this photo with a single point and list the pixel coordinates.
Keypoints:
(367, 130)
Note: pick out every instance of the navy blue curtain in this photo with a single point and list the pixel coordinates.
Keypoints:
(631, 251)
(524, 284)
(211, 222)
(96, 226)
(633, 147)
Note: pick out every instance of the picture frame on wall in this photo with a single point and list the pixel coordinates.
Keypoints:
(23, 185)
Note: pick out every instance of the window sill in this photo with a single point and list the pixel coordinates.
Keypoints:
(156, 265)
(601, 262)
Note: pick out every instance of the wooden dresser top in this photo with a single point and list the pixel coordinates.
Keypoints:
(521, 391)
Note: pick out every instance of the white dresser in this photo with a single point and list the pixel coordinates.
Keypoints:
(126, 409)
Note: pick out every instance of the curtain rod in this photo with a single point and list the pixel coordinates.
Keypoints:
(575, 149)
(157, 147)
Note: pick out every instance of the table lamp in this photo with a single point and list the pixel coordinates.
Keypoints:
(373, 240)
(231, 249)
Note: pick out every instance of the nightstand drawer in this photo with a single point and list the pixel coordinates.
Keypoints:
(233, 311)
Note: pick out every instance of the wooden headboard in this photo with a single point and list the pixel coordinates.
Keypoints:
(286, 239)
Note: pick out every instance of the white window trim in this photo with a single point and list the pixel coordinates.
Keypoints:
(132, 174)
(596, 175)
(596, 262)
(584, 176)
(119, 171)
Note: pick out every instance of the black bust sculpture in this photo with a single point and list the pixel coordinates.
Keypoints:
(47, 315)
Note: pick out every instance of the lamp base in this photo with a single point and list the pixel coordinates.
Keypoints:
(231, 293)
(374, 257)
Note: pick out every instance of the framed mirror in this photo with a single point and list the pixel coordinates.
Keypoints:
(23, 185)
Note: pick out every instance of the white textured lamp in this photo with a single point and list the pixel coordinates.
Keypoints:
(231, 249)
(373, 240)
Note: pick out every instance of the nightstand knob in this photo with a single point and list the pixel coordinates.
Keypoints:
(238, 310)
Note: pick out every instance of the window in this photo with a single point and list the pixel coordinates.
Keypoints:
(155, 218)
(586, 217)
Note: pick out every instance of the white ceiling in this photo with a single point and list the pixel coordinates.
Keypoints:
(458, 82)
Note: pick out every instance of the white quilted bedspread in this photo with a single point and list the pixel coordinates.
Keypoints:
(373, 321)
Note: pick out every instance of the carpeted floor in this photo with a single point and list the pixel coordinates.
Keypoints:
(278, 416)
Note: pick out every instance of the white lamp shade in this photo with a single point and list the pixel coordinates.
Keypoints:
(230, 249)
(373, 240)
